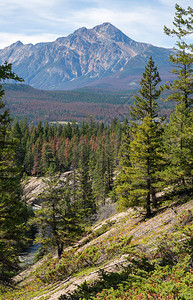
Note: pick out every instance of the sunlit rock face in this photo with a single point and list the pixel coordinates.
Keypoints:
(102, 57)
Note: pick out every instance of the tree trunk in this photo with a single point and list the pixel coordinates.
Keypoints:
(148, 203)
(60, 250)
(154, 198)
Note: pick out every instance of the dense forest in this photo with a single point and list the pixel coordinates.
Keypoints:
(129, 162)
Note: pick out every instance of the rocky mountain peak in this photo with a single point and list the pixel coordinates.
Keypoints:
(81, 30)
(16, 45)
(82, 58)
(107, 30)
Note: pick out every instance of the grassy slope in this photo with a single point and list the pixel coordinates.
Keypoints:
(111, 246)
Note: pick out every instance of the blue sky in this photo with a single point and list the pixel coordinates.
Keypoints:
(33, 21)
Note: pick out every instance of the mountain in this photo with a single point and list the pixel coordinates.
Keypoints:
(101, 57)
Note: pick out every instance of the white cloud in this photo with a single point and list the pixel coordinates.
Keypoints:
(142, 24)
(19, 11)
(173, 2)
(27, 4)
(45, 20)
(25, 39)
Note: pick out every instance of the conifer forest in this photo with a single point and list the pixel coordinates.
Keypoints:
(143, 165)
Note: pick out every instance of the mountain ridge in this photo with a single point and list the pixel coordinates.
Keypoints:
(84, 58)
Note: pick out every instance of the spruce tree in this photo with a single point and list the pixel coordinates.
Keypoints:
(145, 103)
(85, 191)
(179, 145)
(139, 179)
(58, 219)
(20, 148)
(124, 158)
(47, 163)
(29, 158)
(104, 168)
(178, 140)
(137, 182)
(11, 206)
(182, 86)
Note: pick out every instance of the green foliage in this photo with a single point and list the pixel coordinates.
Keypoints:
(106, 280)
(73, 261)
(178, 134)
(182, 57)
(104, 228)
(141, 155)
(178, 141)
(12, 209)
(145, 103)
(58, 218)
(85, 195)
(104, 168)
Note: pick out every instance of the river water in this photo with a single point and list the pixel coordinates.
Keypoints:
(27, 258)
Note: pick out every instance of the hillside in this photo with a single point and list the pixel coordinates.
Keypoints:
(63, 106)
(102, 57)
(122, 244)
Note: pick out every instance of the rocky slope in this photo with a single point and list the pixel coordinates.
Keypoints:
(102, 56)
(33, 187)
(146, 234)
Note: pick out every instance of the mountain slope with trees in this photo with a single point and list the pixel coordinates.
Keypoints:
(61, 106)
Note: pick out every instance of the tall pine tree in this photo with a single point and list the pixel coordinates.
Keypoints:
(145, 103)
(138, 180)
(177, 137)
(11, 207)
(58, 219)
(182, 86)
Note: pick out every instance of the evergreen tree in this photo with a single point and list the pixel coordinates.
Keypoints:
(139, 177)
(182, 87)
(29, 158)
(68, 131)
(124, 158)
(145, 103)
(137, 182)
(104, 168)
(37, 156)
(45, 134)
(179, 145)
(11, 207)
(116, 130)
(24, 138)
(123, 172)
(178, 154)
(20, 148)
(86, 196)
(39, 129)
(48, 158)
(58, 219)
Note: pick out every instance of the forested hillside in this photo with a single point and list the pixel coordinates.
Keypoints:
(61, 106)
(143, 167)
